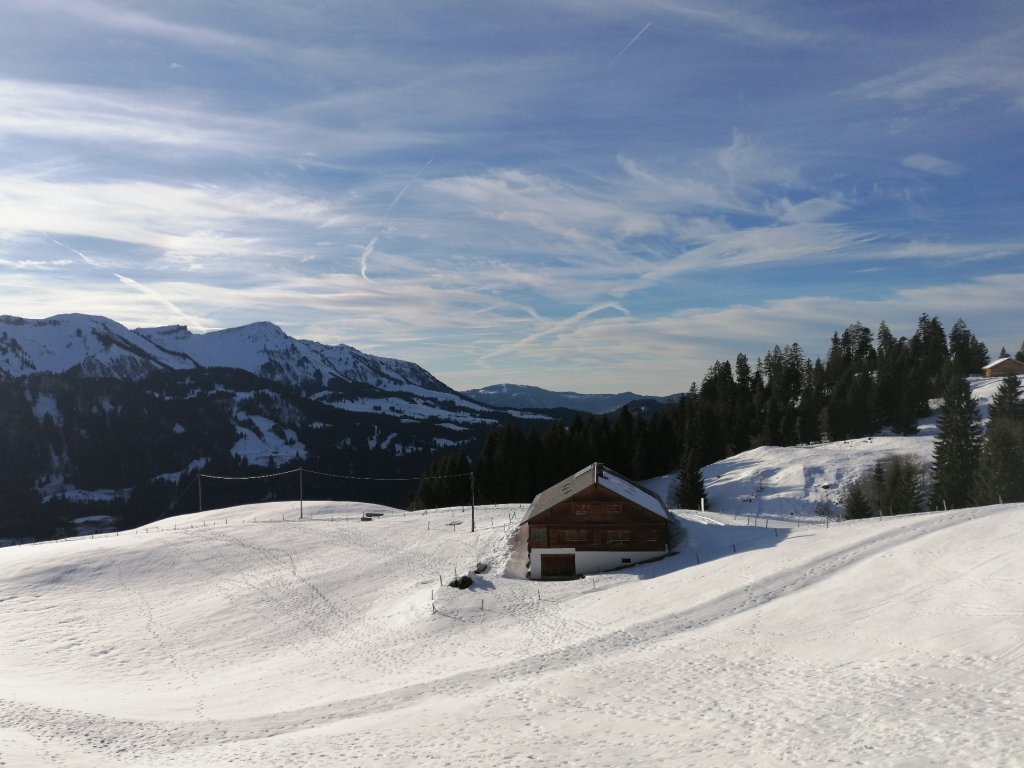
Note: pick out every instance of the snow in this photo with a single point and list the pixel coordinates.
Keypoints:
(63, 341)
(413, 412)
(46, 405)
(55, 486)
(249, 637)
(263, 445)
(626, 490)
(175, 477)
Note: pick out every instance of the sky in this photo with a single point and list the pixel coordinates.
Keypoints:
(581, 195)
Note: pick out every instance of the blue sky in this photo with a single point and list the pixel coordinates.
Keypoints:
(575, 194)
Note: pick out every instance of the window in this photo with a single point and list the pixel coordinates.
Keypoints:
(618, 537)
(576, 535)
(538, 535)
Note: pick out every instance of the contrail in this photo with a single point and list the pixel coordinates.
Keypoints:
(129, 282)
(365, 257)
(86, 259)
(152, 293)
(363, 260)
(637, 37)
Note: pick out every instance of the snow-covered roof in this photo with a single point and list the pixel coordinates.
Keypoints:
(595, 474)
(1014, 362)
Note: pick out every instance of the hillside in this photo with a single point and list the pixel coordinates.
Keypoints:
(247, 637)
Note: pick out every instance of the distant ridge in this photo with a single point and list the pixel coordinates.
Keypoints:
(531, 398)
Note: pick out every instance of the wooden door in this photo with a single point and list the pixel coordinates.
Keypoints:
(554, 566)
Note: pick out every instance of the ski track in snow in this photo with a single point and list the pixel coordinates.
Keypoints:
(669, 663)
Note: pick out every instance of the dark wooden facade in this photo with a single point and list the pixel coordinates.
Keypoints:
(598, 519)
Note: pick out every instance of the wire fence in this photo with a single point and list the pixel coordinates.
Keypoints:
(301, 472)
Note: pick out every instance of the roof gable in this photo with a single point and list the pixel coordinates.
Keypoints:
(595, 474)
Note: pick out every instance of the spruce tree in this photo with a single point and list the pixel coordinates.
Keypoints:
(1000, 478)
(902, 489)
(968, 354)
(1000, 475)
(1006, 403)
(689, 488)
(957, 445)
(857, 504)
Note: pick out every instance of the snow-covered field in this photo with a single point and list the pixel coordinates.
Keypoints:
(239, 638)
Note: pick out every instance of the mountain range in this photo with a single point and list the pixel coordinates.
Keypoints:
(103, 348)
(162, 404)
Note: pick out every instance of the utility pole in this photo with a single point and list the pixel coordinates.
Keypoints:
(200, 493)
(300, 493)
(472, 503)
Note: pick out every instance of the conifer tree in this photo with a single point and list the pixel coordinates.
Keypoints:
(902, 490)
(1006, 403)
(1000, 477)
(957, 445)
(968, 354)
(689, 488)
(857, 505)
(1001, 470)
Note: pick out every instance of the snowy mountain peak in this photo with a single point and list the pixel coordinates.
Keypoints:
(103, 347)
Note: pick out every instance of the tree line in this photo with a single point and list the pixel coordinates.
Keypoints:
(868, 382)
(970, 466)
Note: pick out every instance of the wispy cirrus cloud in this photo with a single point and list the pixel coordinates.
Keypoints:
(992, 65)
(201, 220)
(655, 182)
(920, 161)
(57, 111)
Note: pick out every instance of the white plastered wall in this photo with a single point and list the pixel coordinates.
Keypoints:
(592, 562)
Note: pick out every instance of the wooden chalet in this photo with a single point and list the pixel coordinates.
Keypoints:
(1004, 366)
(597, 520)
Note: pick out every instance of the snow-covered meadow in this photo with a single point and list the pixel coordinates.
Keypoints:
(249, 637)
(234, 637)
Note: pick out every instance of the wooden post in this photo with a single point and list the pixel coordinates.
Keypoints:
(300, 493)
(472, 507)
(200, 493)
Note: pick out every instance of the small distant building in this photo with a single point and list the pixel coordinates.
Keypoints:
(597, 520)
(1004, 366)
